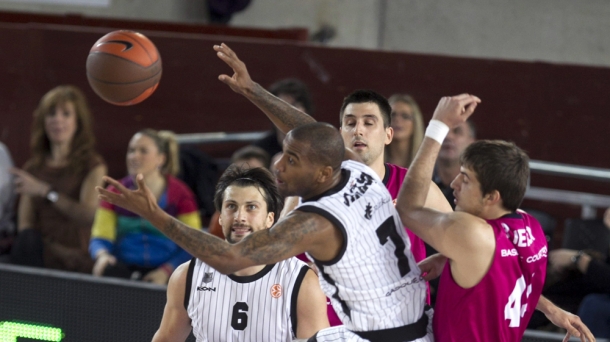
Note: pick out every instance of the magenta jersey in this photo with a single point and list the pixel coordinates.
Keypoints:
(499, 307)
(394, 176)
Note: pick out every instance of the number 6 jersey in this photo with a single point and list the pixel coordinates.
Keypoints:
(374, 282)
(260, 307)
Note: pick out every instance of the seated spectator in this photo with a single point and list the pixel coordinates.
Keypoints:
(7, 200)
(448, 163)
(582, 284)
(295, 93)
(57, 185)
(408, 126)
(250, 157)
(123, 244)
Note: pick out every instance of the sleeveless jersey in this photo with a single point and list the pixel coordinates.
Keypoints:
(260, 307)
(500, 306)
(394, 176)
(374, 282)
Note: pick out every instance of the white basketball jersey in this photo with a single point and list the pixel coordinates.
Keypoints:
(374, 283)
(261, 307)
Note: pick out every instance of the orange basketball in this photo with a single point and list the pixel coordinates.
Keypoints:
(124, 67)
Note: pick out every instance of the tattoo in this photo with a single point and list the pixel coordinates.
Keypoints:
(287, 238)
(280, 242)
(279, 110)
(197, 243)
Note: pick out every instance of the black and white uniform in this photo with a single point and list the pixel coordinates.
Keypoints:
(261, 307)
(374, 283)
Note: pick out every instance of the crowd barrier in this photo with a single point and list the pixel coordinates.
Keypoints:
(47, 305)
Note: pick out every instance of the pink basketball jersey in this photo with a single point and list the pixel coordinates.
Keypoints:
(394, 176)
(500, 306)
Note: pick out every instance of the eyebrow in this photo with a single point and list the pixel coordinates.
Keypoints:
(465, 174)
(296, 156)
(366, 116)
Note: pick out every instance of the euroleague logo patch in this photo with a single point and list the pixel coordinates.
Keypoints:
(276, 291)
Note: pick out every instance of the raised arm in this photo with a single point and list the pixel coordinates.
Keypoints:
(175, 324)
(284, 116)
(296, 233)
(439, 229)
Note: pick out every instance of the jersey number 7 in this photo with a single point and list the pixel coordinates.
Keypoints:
(388, 230)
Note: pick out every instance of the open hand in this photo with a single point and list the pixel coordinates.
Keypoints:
(240, 82)
(572, 323)
(26, 184)
(140, 201)
(454, 110)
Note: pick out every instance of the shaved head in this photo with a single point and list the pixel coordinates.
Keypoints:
(326, 146)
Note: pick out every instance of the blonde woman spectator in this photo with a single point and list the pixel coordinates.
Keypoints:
(407, 123)
(125, 245)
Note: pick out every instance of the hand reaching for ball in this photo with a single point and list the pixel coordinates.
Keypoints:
(240, 82)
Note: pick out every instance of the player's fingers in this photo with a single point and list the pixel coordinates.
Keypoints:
(573, 331)
(115, 183)
(140, 181)
(226, 49)
(231, 62)
(470, 109)
(227, 80)
(566, 338)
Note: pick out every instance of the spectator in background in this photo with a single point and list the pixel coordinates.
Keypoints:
(123, 244)
(296, 94)
(448, 163)
(250, 157)
(408, 126)
(57, 185)
(7, 200)
(582, 285)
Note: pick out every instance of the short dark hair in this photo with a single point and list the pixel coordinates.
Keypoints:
(499, 165)
(296, 89)
(364, 96)
(326, 146)
(249, 152)
(257, 177)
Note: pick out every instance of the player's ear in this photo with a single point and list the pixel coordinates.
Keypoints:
(269, 221)
(325, 173)
(389, 134)
(493, 198)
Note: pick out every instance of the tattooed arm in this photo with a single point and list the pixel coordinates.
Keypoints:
(284, 116)
(296, 233)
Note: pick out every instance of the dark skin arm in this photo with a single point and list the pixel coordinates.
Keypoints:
(298, 232)
(284, 116)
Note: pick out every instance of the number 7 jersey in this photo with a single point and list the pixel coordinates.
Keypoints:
(374, 282)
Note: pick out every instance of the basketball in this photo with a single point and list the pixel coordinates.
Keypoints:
(124, 67)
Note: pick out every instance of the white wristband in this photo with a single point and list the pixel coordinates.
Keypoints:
(437, 130)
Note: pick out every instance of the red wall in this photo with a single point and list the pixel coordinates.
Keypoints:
(555, 112)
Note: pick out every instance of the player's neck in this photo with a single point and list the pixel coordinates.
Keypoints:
(378, 166)
(252, 270)
(494, 212)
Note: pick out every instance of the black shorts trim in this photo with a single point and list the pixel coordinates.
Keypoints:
(408, 332)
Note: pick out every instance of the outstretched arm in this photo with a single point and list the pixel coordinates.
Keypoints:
(293, 235)
(284, 116)
(431, 225)
(175, 324)
(563, 319)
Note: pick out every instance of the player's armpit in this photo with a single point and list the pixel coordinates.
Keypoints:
(312, 313)
(175, 324)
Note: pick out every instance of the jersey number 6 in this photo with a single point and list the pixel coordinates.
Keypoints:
(239, 320)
